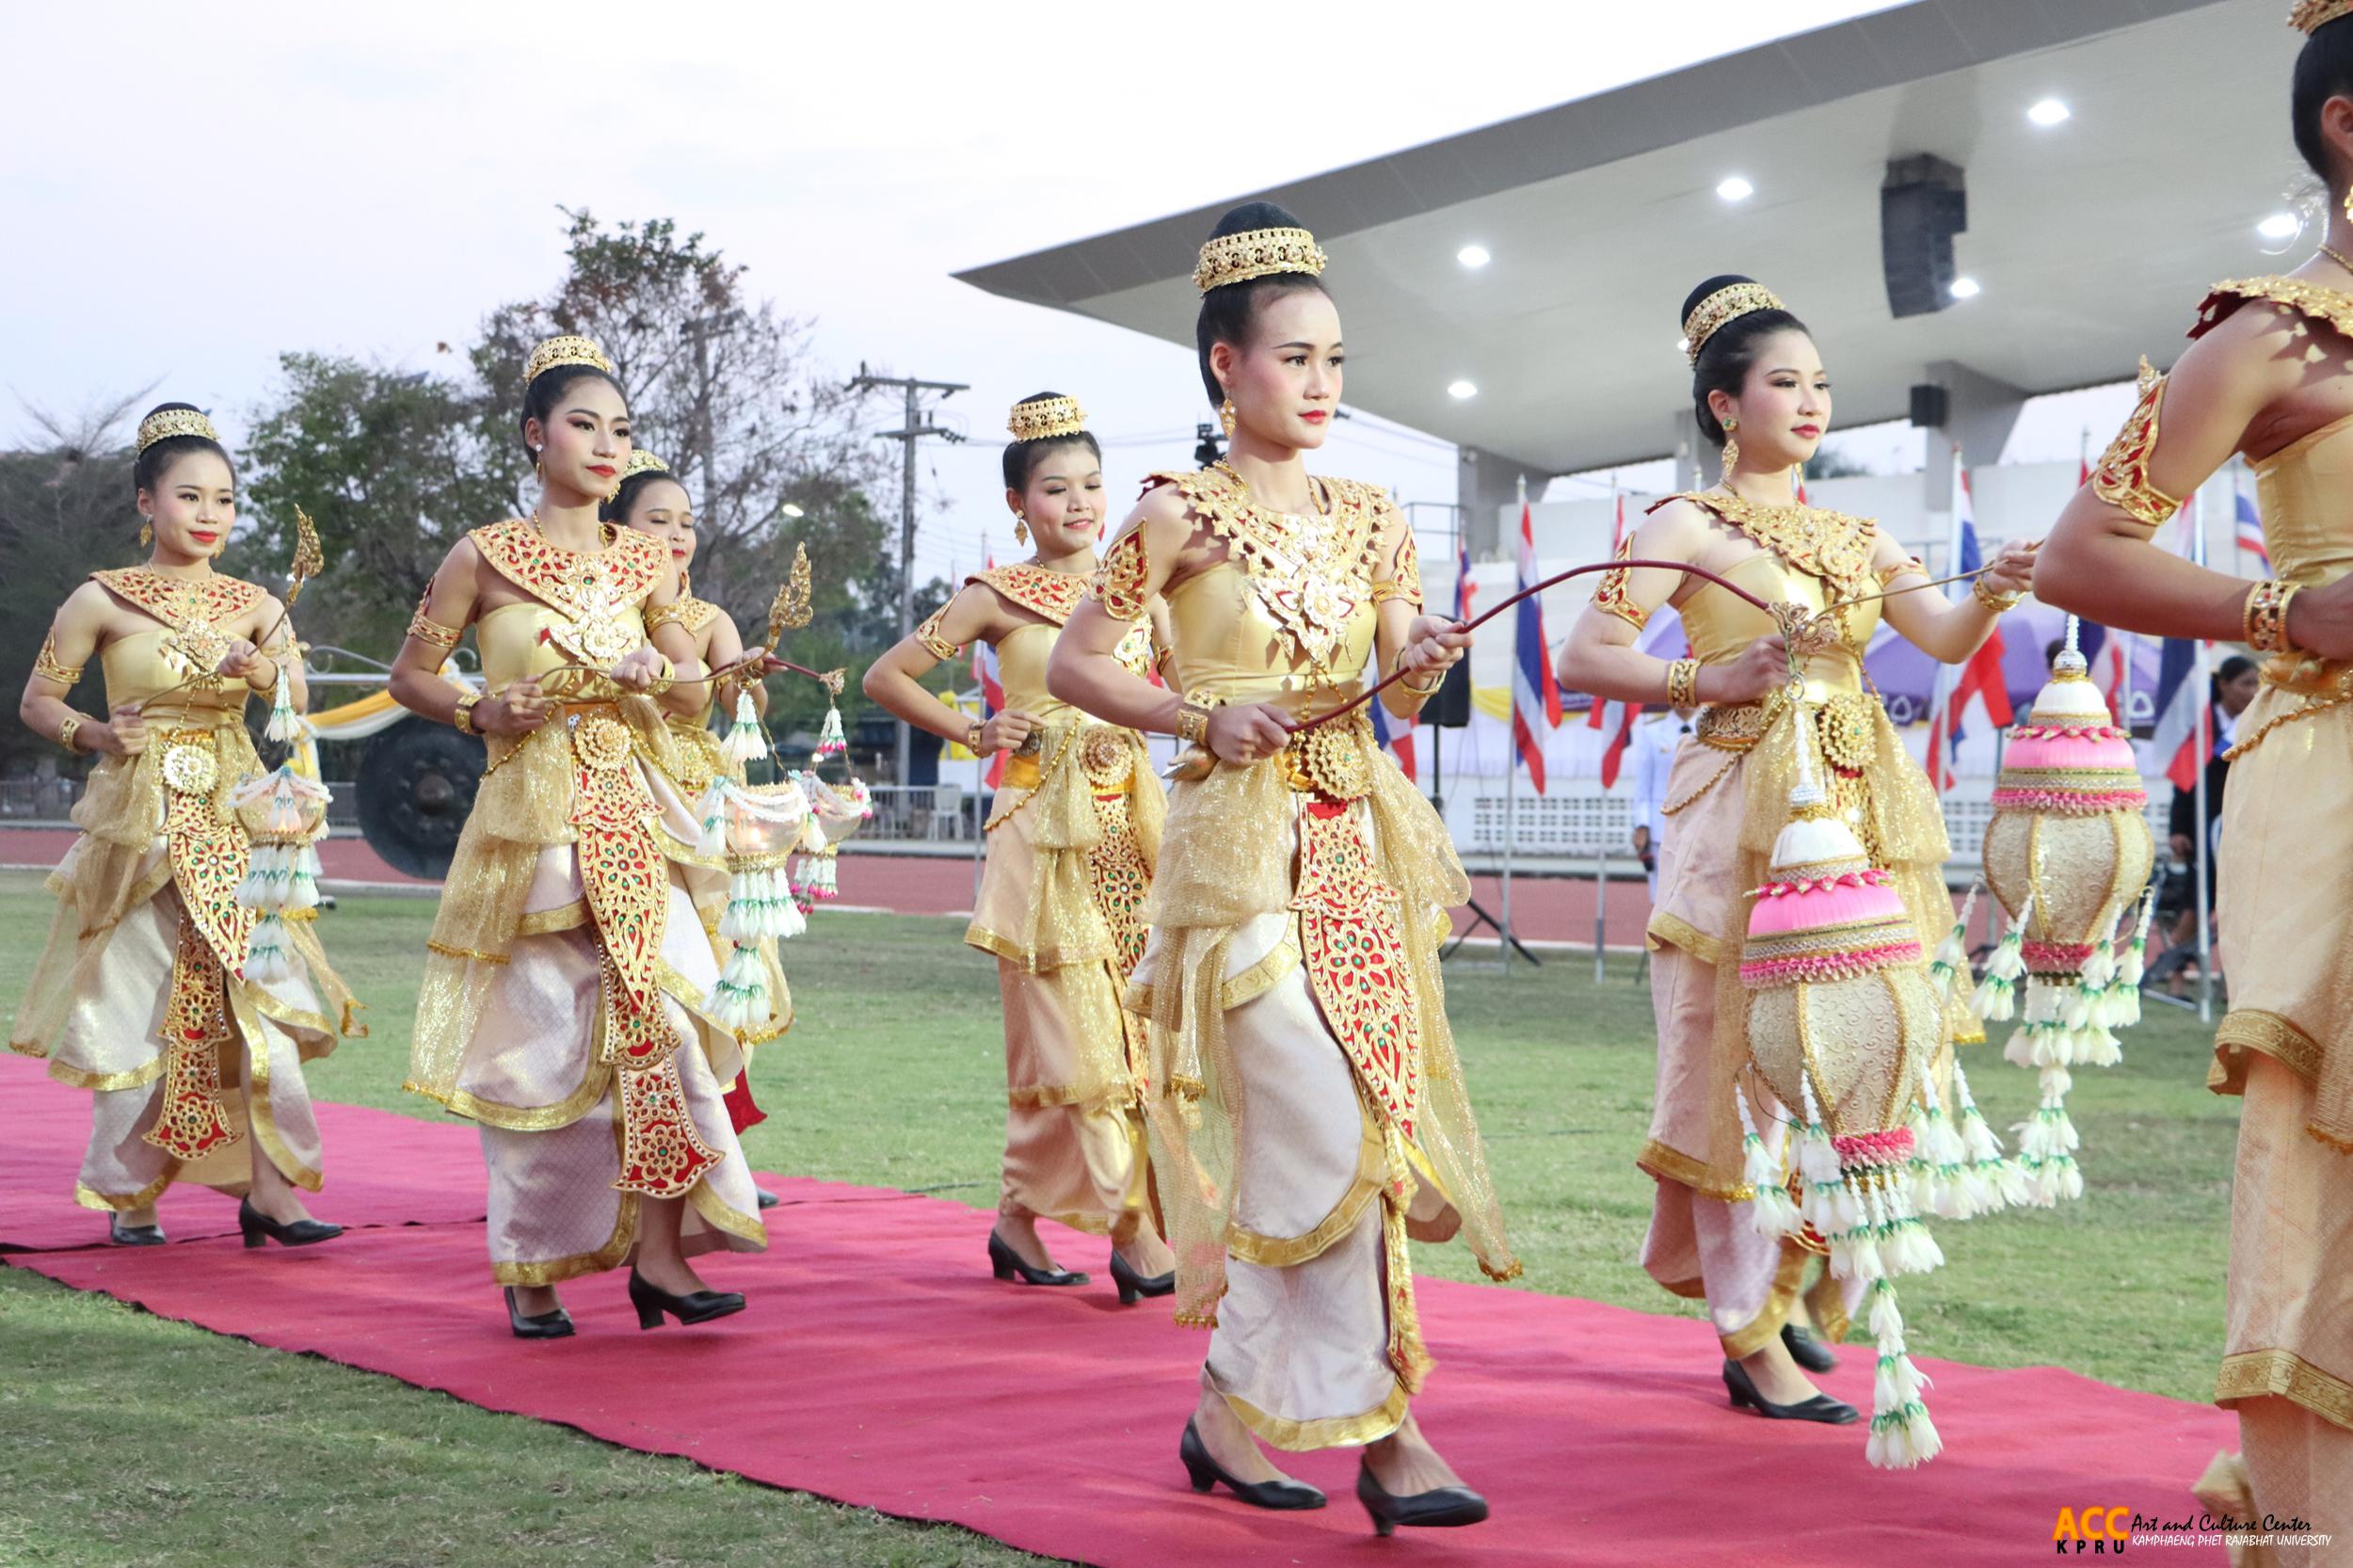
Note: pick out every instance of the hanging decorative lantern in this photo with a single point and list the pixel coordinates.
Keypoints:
(1845, 1026)
(284, 814)
(2066, 853)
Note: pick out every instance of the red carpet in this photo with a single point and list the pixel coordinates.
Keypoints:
(880, 1366)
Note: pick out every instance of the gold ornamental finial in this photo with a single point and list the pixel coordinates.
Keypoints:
(1257, 254)
(642, 461)
(2311, 15)
(308, 559)
(1044, 418)
(167, 423)
(569, 349)
(791, 609)
(1728, 304)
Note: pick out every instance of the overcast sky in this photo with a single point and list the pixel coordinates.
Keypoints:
(194, 190)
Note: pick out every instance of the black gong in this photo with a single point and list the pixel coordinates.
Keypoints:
(416, 785)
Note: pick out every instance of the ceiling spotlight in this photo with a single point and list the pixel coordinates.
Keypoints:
(1965, 288)
(1473, 256)
(1735, 189)
(2049, 112)
(1461, 389)
(2279, 226)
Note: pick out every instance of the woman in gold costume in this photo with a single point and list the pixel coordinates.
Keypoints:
(1072, 839)
(563, 1000)
(2270, 376)
(654, 502)
(139, 996)
(1308, 1111)
(1759, 391)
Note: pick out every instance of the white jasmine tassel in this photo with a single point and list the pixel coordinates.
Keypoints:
(744, 740)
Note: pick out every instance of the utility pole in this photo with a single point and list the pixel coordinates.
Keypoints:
(917, 425)
(699, 331)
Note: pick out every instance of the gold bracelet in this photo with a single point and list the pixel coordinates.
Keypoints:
(65, 731)
(1683, 683)
(463, 718)
(2000, 603)
(1193, 723)
(2265, 615)
(972, 737)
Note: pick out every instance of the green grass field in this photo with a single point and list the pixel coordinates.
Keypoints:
(132, 1442)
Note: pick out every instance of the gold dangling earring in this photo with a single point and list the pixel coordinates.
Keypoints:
(147, 533)
(1020, 528)
(685, 583)
(536, 472)
(2348, 203)
(1225, 416)
(1732, 450)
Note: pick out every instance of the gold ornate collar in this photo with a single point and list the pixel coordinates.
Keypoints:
(1833, 546)
(1049, 594)
(194, 608)
(2302, 296)
(597, 593)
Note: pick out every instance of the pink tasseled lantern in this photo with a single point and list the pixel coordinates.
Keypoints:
(1845, 1025)
(2067, 854)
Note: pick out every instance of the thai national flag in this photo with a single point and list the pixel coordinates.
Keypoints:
(1534, 693)
(2182, 713)
(992, 690)
(1980, 678)
(1662, 638)
(2109, 653)
(2250, 530)
(1464, 589)
(1394, 735)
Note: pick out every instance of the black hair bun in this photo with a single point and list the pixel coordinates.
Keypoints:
(1691, 302)
(1253, 215)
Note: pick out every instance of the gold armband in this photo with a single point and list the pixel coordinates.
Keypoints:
(2265, 615)
(65, 731)
(928, 634)
(1999, 603)
(1683, 683)
(463, 717)
(45, 664)
(430, 631)
(1887, 575)
(1406, 584)
(1118, 585)
(2121, 477)
(1610, 598)
(663, 614)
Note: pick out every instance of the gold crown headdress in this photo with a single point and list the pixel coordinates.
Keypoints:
(1729, 303)
(569, 349)
(2311, 15)
(167, 423)
(1046, 418)
(1258, 253)
(642, 461)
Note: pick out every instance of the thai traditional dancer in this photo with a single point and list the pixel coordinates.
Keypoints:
(1308, 1110)
(2269, 376)
(1760, 392)
(142, 995)
(1072, 838)
(653, 500)
(564, 993)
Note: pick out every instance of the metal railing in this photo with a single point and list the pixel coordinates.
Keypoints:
(48, 800)
(925, 813)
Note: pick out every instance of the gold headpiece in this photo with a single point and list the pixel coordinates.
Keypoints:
(1048, 416)
(1239, 258)
(167, 423)
(1728, 303)
(642, 461)
(2311, 15)
(571, 349)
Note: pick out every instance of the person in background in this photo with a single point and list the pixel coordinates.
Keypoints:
(1656, 740)
(2234, 687)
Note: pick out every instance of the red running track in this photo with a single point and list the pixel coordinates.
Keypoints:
(879, 1365)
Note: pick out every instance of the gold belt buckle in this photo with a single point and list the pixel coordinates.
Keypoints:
(189, 765)
(600, 741)
(1105, 758)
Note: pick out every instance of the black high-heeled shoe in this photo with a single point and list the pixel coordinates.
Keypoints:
(556, 1324)
(1806, 1351)
(1132, 1284)
(133, 1236)
(696, 1306)
(1821, 1407)
(1007, 1264)
(767, 1199)
(259, 1227)
(1287, 1496)
(1440, 1508)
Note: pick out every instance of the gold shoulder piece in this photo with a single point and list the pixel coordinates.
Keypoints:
(1406, 584)
(2122, 476)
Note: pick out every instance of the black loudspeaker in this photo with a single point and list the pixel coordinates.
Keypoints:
(1450, 706)
(1923, 204)
(1931, 406)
